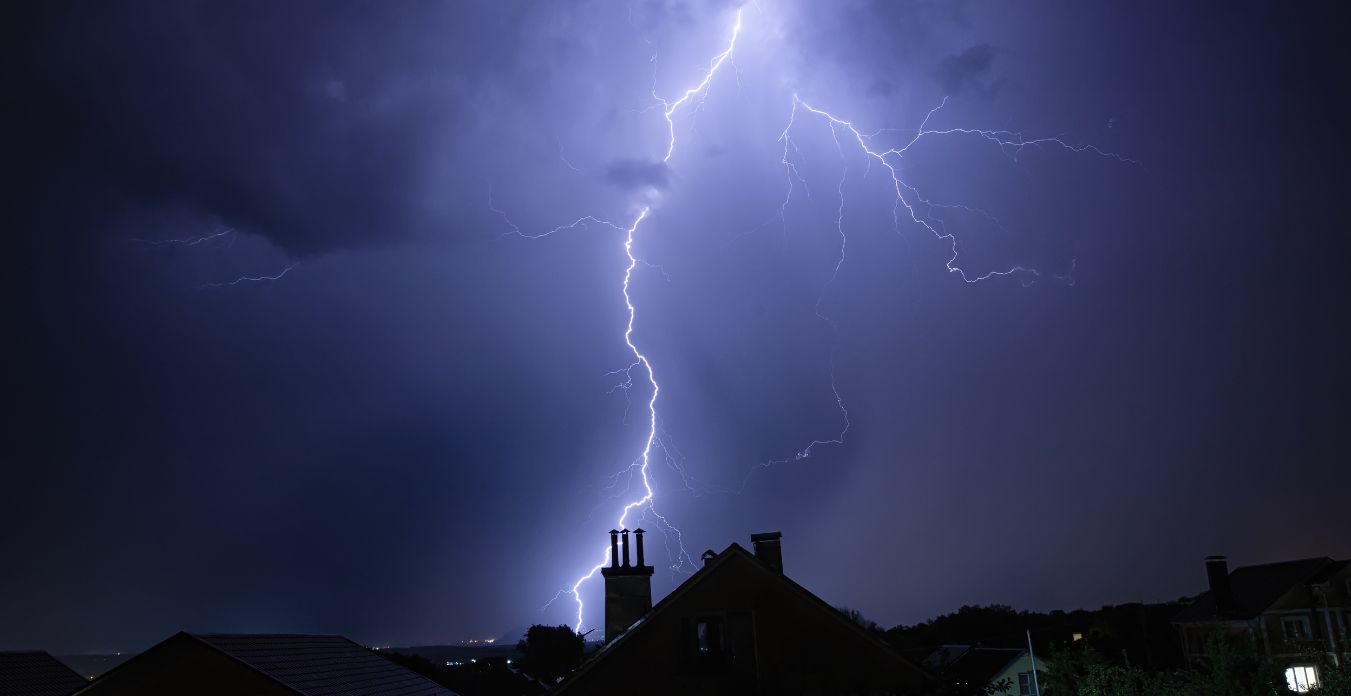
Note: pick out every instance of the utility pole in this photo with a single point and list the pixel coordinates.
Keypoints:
(1036, 686)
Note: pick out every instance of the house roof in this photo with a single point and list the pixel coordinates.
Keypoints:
(323, 665)
(1257, 587)
(36, 674)
(709, 570)
(972, 665)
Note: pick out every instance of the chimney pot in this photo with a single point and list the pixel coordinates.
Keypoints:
(638, 535)
(767, 549)
(628, 588)
(1217, 572)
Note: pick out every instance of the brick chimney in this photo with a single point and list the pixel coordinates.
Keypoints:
(628, 588)
(1217, 572)
(768, 551)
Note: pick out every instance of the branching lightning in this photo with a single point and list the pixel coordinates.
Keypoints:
(187, 241)
(252, 279)
(641, 465)
(918, 208)
(222, 237)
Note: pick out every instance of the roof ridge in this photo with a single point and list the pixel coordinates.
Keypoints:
(1325, 559)
(734, 550)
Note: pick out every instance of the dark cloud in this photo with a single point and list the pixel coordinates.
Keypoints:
(634, 174)
(314, 129)
(968, 70)
(346, 449)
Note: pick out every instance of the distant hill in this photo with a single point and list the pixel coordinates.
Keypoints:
(512, 636)
(441, 654)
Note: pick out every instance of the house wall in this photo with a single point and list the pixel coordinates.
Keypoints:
(1267, 633)
(1326, 611)
(1022, 664)
(183, 665)
(778, 642)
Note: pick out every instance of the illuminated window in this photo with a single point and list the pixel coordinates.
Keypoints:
(1295, 627)
(1301, 677)
(1078, 636)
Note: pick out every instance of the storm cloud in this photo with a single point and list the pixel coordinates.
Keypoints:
(633, 174)
(413, 436)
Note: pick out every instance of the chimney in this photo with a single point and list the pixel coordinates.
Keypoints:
(1217, 571)
(628, 588)
(768, 551)
(708, 556)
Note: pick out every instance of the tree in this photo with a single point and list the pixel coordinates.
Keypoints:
(857, 617)
(550, 652)
(1229, 667)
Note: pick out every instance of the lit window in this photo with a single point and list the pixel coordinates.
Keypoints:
(1078, 636)
(1301, 677)
(1295, 627)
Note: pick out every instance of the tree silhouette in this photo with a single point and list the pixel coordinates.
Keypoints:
(550, 652)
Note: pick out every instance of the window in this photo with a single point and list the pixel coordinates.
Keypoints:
(1027, 684)
(708, 631)
(1301, 677)
(1295, 627)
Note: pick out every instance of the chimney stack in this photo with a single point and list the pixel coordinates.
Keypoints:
(768, 551)
(628, 588)
(1217, 572)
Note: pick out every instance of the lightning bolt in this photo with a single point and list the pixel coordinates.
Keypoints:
(252, 279)
(641, 466)
(186, 241)
(918, 208)
(669, 108)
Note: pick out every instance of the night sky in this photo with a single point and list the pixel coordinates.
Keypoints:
(410, 436)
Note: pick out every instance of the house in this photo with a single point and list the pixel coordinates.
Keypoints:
(1287, 610)
(261, 665)
(968, 666)
(36, 673)
(737, 626)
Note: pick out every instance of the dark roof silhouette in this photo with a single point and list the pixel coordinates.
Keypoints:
(304, 664)
(1257, 587)
(323, 665)
(709, 570)
(37, 674)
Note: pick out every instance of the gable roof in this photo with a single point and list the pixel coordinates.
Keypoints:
(973, 665)
(733, 551)
(304, 664)
(323, 665)
(37, 673)
(1257, 587)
